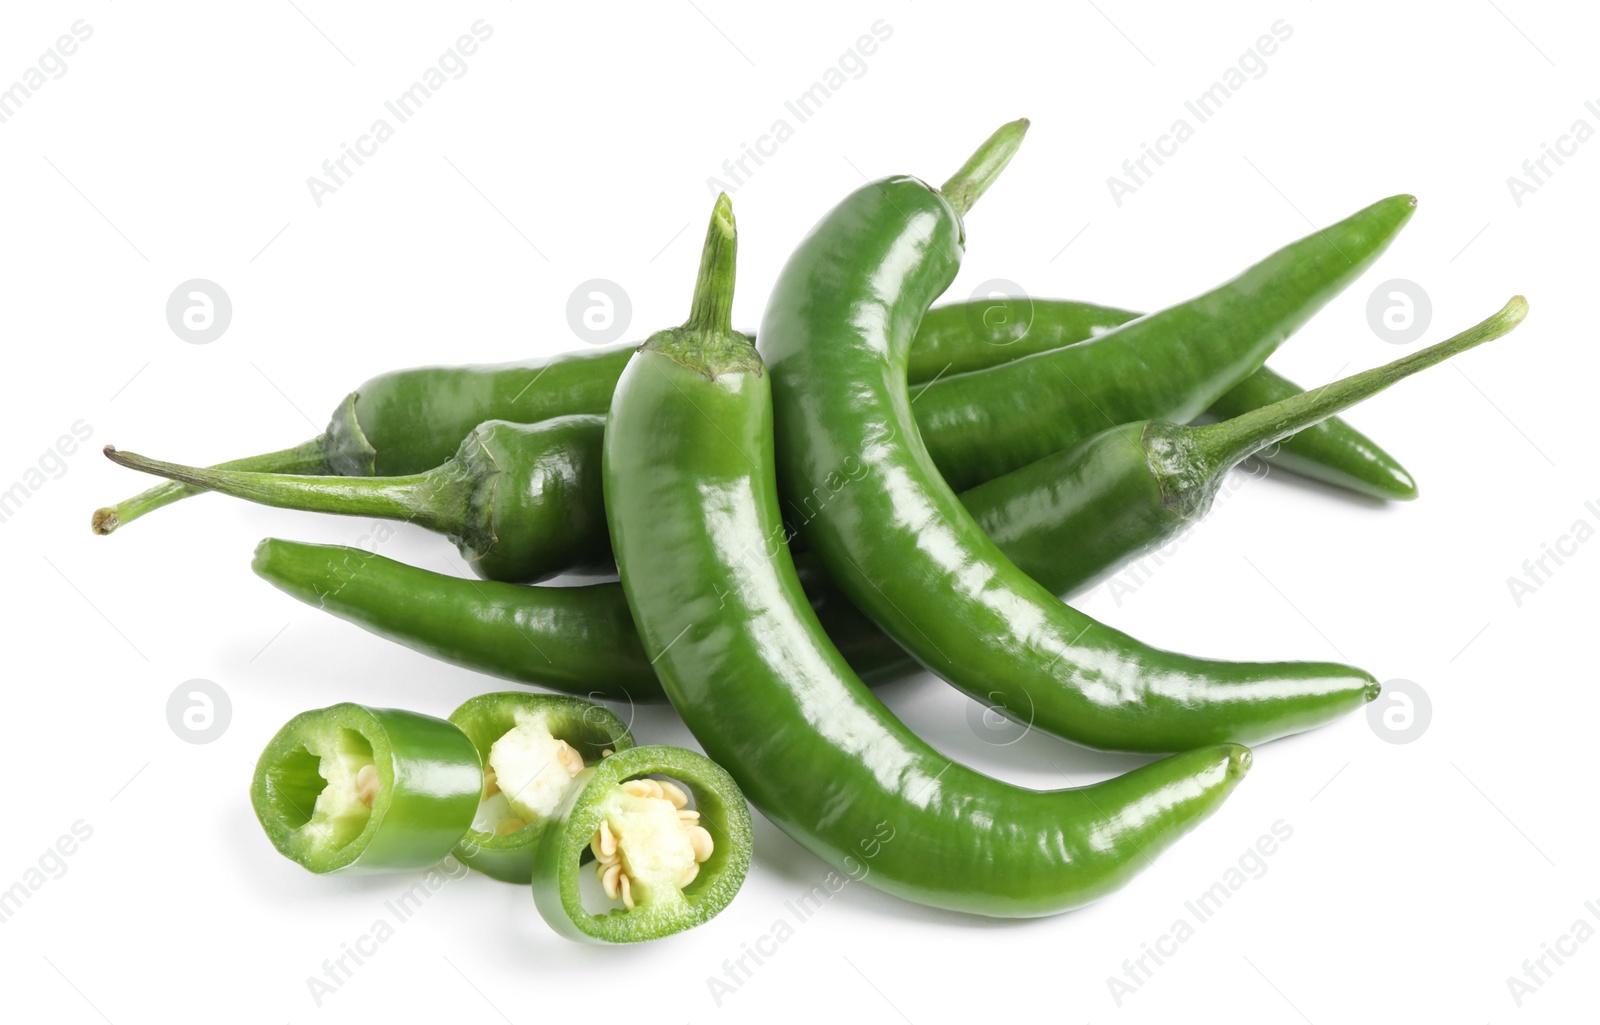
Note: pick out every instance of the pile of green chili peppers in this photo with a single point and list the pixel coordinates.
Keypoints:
(872, 487)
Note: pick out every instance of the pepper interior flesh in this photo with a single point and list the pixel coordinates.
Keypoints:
(526, 774)
(650, 843)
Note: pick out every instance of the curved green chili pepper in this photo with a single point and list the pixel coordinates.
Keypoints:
(693, 507)
(351, 788)
(533, 747)
(670, 866)
(899, 543)
(409, 421)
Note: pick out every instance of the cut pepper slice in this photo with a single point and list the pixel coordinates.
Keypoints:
(351, 788)
(533, 747)
(668, 867)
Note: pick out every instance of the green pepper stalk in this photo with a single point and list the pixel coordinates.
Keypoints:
(534, 747)
(357, 789)
(505, 498)
(664, 865)
(1168, 365)
(692, 500)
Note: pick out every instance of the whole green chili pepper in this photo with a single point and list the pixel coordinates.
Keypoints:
(409, 421)
(670, 866)
(520, 501)
(979, 426)
(576, 640)
(900, 545)
(1066, 520)
(534, 747)
(693, 507)
(351, 788)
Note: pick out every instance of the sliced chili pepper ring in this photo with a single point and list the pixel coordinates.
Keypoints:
(533, 746)
(640, 844)
(352, 788)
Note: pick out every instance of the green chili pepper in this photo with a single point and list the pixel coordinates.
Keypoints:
(521, 501)
(899, 543)
(1133, 488)
(671, 867)
(366, 789)
(1018, 326)
(1066, 521)
(576, 640)
(533, 747)
(979, 426)
(693, 507)
(1171, 364)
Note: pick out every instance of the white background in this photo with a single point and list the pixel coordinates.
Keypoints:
(177, 145)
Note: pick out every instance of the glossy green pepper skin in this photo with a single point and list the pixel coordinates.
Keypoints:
(559, 856)
(576, 640)
(905, 551)
(593, 731)
(1168, 365)
(693, 506)
(428, 781)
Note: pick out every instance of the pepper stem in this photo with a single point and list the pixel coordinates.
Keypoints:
(707, 342)
(1222, 445)
(438, 499)
(306, 457)
(984, 166)
(712, 309)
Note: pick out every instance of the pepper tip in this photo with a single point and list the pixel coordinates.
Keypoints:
(104, 521)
